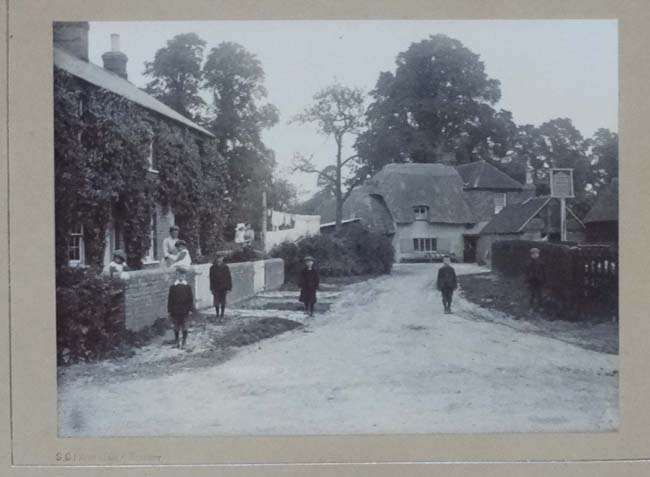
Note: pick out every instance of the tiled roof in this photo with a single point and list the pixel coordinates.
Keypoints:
(606, 207)
(514, 217)
(482, 175)
(98, 76)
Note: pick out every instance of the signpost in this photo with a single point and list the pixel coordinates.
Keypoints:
(561, 180)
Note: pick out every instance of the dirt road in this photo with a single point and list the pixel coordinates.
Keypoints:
(383, 359)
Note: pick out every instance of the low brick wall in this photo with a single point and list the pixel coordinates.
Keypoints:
(145, 291)
(145, 296)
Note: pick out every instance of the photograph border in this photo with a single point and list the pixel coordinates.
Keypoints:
(32, 447)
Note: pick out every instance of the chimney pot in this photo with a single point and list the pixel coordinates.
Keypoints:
(115, 42)
(72, 37)
(114, 60)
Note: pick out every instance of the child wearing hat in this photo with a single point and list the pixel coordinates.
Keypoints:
(446, 282)
(535, 278)
(117, 265)
(180, 302)
(220, 284)
(182, 258)
(309, 282)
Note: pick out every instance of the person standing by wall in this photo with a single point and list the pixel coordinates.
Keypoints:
(220, 284)
(535, 279)
(309, 281)
(169, 246)
(180, 303)
(446, 282)
(117, 265)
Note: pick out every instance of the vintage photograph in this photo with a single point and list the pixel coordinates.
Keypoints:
(336, 227)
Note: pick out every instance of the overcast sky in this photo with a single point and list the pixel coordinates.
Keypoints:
(547, 68)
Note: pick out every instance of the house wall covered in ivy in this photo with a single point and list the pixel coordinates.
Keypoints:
(121, 169)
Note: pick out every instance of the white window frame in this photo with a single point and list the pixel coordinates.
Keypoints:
(425, 244)
(77, 233)
(150, 256)
(499, 205)
(150, 153)
(421, 212)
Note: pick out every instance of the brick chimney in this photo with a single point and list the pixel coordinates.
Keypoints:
(115, 60)
(72, 37)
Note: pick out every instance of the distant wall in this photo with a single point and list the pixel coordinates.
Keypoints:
(145, 291)
(449, 238)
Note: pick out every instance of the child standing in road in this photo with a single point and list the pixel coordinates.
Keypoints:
(446, 282)
(180, 302)
(309, 282)
(220, 284)
(535, 278)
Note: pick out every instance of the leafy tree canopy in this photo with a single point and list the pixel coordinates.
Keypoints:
(177, 74)
(438, 100)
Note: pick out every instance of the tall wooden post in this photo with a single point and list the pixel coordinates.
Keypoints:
(264, 219)
(563, 219)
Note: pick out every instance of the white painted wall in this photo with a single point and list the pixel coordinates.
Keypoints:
(449, 237)
(304, 225)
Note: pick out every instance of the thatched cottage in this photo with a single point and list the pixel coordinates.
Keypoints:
(428, 208)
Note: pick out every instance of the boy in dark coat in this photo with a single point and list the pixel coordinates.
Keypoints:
(535, 278)
(220, 284)
(308, 282)
(180, 302)
(446, 283)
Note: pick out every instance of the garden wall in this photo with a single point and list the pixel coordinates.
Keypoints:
(145, 291)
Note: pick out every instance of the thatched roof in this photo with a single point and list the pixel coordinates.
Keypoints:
(482, 175)
(371, 208)
(606, 207)
(437, 186)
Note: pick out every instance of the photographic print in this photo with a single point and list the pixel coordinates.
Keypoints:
(336, 227)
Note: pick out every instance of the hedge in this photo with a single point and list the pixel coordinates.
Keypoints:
(89, 315)
(354, 250)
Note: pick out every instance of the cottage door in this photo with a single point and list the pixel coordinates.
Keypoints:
(469, 251)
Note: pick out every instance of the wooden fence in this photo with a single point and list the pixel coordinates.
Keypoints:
(582, 280)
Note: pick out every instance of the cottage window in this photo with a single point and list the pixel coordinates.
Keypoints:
(427, 244)
(152, 153)
(76, 252)
(499, 202)
(421, 212)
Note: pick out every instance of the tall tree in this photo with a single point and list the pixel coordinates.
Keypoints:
(176, 74)
(239, 113)
(337, 112)
(604, 155)
(438, 101)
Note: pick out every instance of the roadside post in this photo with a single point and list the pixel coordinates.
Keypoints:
(562, 188)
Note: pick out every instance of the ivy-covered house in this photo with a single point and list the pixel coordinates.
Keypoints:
(127, 166)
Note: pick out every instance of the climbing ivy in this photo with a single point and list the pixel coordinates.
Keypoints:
(102, 172)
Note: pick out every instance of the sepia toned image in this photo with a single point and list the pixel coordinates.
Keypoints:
(336, 227)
